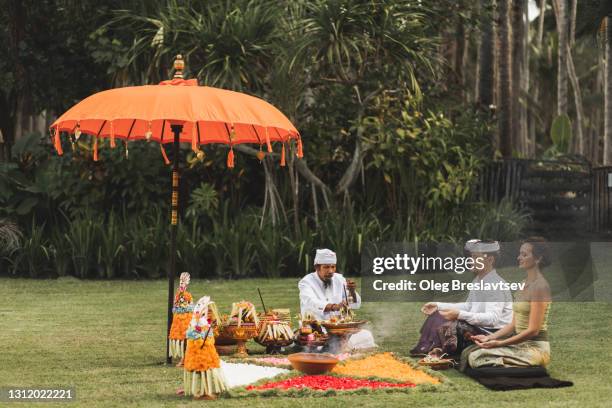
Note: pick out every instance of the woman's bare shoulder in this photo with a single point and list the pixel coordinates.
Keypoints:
(539, 290)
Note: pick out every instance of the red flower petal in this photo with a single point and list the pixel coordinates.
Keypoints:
(326, 382)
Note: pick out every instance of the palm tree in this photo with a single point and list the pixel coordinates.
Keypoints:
(230, 42)
(595, 16)
(345, 42)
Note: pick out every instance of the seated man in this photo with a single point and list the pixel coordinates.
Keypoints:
(324, 293)
(482, 312)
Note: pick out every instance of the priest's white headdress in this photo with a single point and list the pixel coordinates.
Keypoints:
(325, 257)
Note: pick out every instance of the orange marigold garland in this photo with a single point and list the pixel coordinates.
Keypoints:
(384, 365)
(202, 370)
(182, 312)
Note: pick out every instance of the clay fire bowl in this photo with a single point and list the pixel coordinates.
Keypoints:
(312, 363)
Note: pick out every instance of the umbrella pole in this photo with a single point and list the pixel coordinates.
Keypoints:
(176, 129)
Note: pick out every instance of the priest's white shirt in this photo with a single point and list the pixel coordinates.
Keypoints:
(314, 296)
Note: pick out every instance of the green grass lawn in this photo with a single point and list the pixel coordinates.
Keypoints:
(107, 340)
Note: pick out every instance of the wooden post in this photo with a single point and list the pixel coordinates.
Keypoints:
(174, 216)
(176, 129)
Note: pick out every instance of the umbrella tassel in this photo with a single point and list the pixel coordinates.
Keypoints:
(230, 158)
(148, 133)
(194, 139)
(57, 142)
(163, 152)
(268, 141)
(95, 150)
(283, 162)
(112, 135)
(300, 151)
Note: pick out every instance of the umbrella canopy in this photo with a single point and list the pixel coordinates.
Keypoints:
(206, 114)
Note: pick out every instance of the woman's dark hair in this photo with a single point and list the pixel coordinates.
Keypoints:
(540, 250)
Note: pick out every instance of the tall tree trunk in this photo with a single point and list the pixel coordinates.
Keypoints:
(16, 30)
(525, 86)
(518, 46)
(607, 150)
(541, 23)
(467, 97)
(485, 79)
(597, 144)
(561, 15)
(294, 182)
(573, 12)
(505, 80)
(578, 142)
(536, 94)
(478, 38)
(459, 48)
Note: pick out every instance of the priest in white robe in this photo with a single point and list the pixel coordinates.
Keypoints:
(324, 292)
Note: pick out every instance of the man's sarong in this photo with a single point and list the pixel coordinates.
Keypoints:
(430, 338)
(449, 336)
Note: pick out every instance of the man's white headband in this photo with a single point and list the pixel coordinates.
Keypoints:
(483, 247)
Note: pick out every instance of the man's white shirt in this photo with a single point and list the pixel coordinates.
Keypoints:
(479, 310)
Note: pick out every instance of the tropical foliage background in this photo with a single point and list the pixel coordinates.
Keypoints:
(400, 103)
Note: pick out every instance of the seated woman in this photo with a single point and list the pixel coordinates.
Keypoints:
(523, 342)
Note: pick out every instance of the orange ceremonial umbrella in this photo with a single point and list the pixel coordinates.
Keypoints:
(172, 112)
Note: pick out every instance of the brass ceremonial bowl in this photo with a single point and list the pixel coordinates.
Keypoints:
(241, 334)
(225, 345)
(222, 338)
(313, 363)
(343, 329)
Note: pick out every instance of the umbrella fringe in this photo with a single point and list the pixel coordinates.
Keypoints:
(283, 162)
(163, 152)
(112, 135)
(57, 142)
(95, 149)
(194, 138)
(268, 141)
(148, 133)
(230, 158)
(300, 149)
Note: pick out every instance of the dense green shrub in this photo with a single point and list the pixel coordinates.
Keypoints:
(236, 246)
